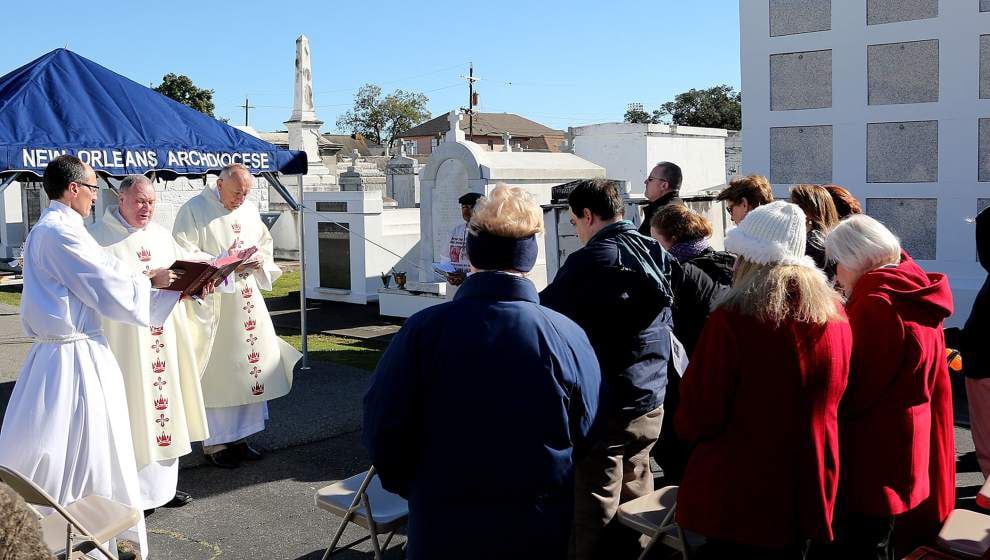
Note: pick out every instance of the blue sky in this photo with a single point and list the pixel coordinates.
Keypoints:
(559, 63)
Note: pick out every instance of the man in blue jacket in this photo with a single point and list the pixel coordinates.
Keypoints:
(479, 407)
(617, 289)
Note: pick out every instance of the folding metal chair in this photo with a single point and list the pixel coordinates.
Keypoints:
(361, 500)
(72, 531)
(653, 515)
(965, 533)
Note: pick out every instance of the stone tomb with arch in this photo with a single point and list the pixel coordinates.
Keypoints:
(457, 167)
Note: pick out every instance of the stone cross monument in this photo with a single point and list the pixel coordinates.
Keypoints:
(303, 126)
(456, 133)
(506, 137)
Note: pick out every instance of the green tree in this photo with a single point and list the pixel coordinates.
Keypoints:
(715, 107)
(381, 119)
(183, 90)
(636, 114)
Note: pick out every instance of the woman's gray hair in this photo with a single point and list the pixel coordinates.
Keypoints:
(861, 243)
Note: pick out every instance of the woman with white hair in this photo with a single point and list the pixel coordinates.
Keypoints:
(760, 399)
(898, 457)
(491, 372)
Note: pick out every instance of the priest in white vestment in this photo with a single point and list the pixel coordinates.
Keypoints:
(66, 426)
(249, 365)
(162, 364)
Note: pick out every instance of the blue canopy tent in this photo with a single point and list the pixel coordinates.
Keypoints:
(63, 103)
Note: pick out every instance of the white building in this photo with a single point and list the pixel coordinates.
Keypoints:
(890, 99)
(630, 151)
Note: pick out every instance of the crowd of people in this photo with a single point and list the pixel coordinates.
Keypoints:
(122, 377)
(794, 386)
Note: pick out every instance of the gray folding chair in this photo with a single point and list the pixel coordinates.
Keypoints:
(653, 515)
(361, 500)
(72, 531)
(965, 533)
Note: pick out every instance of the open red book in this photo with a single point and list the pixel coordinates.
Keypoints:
(197, 275)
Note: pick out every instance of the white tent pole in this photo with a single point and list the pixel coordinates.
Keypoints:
(298, 208)
(302, 277)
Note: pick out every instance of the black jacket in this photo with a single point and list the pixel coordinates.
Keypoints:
(651, 209)
(716, 264)
(627, 320)
(976, 356)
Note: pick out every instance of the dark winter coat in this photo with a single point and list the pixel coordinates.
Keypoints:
(476, 414)
(652, 208)
(976, 333)
(627, 318)
(717, 265)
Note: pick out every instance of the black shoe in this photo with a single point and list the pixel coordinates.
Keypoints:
(148, 512)
(247, 453)
(181, 498)
(227, 458)
(126, 555)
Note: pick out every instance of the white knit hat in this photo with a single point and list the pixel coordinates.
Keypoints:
(771, 234)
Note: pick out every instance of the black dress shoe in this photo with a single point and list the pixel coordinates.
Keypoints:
(181, 498)
(227, 458)
(248, 453)
(126, 555)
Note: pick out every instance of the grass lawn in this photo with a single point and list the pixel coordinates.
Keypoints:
(285, 285)
(10, 295)
(352, 352)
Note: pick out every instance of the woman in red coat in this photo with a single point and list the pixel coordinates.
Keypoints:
(896, 415)
(760, 398)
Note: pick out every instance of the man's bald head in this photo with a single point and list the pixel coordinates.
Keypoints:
(137, 200)
(234, 185)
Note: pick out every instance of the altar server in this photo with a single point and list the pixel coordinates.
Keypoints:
(66, 427)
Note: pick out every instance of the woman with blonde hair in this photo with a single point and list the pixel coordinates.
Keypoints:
(760, 397)
(898, 454)
(818, 207)
(491, 370)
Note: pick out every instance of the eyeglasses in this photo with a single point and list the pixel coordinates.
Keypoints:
(92, 188)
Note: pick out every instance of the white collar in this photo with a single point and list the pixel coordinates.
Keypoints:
(67, 211)
(123, 222)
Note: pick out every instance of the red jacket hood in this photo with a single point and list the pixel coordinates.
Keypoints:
(909, 288)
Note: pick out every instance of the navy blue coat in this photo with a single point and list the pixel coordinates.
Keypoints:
(475, 414)
(627, 318)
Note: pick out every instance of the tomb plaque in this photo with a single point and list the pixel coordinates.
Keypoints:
(891, 11)
(902, 152)
(984, 151)
(801, 80)
(984, 66)
(335, 255)
(801, 154)
(451, 184)
(913, 221)
(788, 17)
(902, 72)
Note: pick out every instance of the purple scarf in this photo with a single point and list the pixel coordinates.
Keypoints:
(687, 250)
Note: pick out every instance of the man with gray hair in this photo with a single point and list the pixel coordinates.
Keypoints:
(662, 187)
(162, 363)
(249, 364)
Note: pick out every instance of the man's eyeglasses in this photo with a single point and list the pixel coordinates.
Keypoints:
(92, 188)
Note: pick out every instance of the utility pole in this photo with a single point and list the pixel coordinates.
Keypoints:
(246, 106)
(471, 100)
